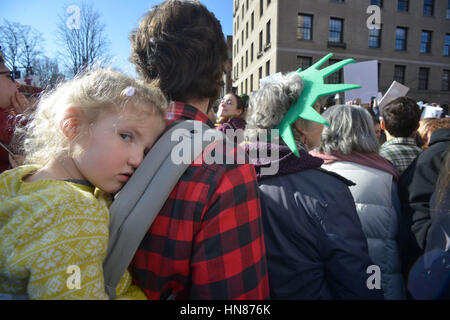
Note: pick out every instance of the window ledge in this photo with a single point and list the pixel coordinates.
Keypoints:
(337, 44)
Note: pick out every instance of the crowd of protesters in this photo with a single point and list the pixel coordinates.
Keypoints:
(313, 230)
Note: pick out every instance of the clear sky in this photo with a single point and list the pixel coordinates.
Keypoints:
(119, 16)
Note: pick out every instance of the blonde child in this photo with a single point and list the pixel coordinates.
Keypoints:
(86, 140)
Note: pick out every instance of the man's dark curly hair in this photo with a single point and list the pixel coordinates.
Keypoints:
(180, 45)
(401, 117)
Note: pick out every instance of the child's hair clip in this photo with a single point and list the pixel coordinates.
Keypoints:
(129, 91)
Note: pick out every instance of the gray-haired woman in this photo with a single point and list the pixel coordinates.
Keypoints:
(314, 241)
(349, 147)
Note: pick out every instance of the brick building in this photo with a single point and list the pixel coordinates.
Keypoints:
(412, 46)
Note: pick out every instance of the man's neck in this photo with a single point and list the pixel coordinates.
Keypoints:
(200, 104)
(388, 136)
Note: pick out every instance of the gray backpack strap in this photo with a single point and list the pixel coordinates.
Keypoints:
(141, 199)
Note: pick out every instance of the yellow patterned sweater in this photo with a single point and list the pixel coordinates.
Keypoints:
(50, 230)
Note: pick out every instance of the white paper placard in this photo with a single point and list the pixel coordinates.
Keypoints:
(431, 112)
(366, 75)
(396, 90)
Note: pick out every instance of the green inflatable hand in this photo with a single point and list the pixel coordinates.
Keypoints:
(314, 87)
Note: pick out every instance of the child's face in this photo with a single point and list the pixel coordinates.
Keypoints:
(108, 155)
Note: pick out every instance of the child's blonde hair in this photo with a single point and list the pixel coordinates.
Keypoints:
(94, 92)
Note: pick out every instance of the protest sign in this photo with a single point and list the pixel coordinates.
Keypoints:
(395, 91)
(366, 75)
(430, 111)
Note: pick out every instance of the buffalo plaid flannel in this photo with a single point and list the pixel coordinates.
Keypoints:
(207, 241)
(400, 151)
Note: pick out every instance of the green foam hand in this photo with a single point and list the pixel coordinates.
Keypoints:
(314, 87)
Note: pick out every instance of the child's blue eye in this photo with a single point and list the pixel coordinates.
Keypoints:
(126, 136)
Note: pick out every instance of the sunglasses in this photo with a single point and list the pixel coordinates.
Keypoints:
(9, 74)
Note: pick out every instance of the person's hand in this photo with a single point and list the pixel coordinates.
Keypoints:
(19, 102)
(16, 160)
(375, 102)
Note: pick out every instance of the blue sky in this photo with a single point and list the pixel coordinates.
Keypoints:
(119, 16)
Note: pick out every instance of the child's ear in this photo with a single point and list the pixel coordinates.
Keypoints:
(71, 122)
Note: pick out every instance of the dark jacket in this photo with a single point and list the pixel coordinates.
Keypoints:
(233, 123)
(315, 245)
(430, 276)
(416, 185)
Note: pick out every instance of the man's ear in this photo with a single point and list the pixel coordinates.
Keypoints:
(71, 122)
(383, 125)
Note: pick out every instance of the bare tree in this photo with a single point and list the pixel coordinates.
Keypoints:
(30, 49)
(21, 45)
(84, 41)
(48, 72)
(10, 37)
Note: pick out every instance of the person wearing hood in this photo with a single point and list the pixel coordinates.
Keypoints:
(349, 147)
(315, 245)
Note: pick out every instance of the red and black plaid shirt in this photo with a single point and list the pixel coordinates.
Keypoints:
(207, 241)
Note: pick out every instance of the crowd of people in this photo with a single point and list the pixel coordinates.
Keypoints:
(342, 208)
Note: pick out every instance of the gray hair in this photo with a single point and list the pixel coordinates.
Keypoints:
(351, 129)
(269, 105)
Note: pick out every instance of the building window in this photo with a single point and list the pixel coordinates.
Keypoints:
(268, 2)
(260, 74)
(445, 80)
(425, 42)
(403, 5)
(242, 64)
(246, 58)
(246, 30)
(242, 12)
(376, 3)
(268, 68)
(261, 7)
(304, 27)
(251, 53)
(423, 78)
(448, 9)
(260, 41)
(268, 32)
(340, 1)
(253, 20)
(399, 74)
(374, 38)
(251, 83)
(400, 38)
(335, 77)
(246, 85)
(242, 38)
(428, 8)
(303, 62)
(336, 30)
(447, 45)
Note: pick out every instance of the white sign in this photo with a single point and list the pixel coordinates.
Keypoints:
(395, 91)
(366, 75)
(431, 112)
